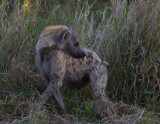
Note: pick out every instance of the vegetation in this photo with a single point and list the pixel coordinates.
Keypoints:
(125, 35)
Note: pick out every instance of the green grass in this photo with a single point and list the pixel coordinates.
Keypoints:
(126, 36)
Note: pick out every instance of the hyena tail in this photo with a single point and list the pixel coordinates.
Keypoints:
(105, 63)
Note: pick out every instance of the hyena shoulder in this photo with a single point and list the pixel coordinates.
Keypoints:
(46, 37)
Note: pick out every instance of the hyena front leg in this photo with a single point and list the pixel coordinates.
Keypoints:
(59, 100)
(51, 88)
(54, 79)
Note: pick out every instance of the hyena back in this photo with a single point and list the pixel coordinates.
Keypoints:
(59, 57)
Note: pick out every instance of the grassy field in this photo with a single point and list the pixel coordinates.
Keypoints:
(127, 35)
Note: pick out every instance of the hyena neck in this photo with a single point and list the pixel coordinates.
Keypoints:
(47, 53)
(48, 50)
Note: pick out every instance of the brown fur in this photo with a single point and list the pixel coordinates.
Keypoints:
(57, 66)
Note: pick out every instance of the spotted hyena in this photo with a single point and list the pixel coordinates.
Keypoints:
(60, 58)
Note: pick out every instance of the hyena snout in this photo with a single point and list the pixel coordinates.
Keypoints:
(79, 53)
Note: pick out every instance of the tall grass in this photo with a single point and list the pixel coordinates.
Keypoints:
(127, 36)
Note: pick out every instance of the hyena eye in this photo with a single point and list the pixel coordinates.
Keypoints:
(76, 44)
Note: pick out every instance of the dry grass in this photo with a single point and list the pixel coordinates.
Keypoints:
(127, 36)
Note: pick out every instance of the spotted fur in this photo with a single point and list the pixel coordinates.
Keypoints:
(56, 66)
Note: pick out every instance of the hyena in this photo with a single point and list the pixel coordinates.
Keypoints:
(60, 57)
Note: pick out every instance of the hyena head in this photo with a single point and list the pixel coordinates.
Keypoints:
(69, 44)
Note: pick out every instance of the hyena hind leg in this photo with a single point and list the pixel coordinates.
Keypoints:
(98, 80)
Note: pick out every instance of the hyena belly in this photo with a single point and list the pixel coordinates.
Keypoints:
(78, 83)
(77, 73)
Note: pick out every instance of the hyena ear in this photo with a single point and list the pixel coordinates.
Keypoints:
(71, 26)
(64, 35)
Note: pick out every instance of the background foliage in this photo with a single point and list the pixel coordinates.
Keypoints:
(125, 34)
